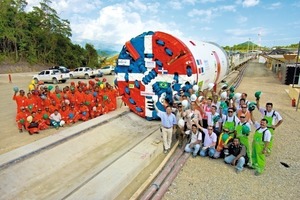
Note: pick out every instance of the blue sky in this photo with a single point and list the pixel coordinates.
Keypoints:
(110, 23)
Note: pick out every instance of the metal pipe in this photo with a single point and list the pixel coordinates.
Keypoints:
(161, 177)
(169, 179)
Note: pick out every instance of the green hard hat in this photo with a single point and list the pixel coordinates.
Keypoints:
(216, 118)
(245, 130)
(223, 104)
(45, 116)
(99, 83)
(22, 121)
(231, 89)
(257, 94)
(50, 87)
(224, 86)
(105, 97)
(251, 106)
(225, 136)
(231, 95)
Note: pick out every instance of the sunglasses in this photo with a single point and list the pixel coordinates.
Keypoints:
(242, 117)
(230, 111)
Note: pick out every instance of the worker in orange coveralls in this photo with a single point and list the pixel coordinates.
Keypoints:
(73, 115)
(83, 112)
(64, 113)
(96, 110)
(56, 95)
(89, 99)
(32, 124)
(112, 95)
(46, 114)
(79, 96)
(21, 119)
(41, 119)
(20, 99)
(30, 102)
(53, 106)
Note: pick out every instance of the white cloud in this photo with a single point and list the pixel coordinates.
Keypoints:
(250, 3)
(176, 5)
(274, 6)
(117, 24)
(251, 32)
(227, 8)
(208, 14)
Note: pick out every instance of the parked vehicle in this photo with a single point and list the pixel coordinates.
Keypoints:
(84, 72)
(51, 76)
(108, 70)
(62, 69)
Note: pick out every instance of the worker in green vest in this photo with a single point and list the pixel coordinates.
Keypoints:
(230, 121)
(261, 140)
(274, 120)
(243, 130)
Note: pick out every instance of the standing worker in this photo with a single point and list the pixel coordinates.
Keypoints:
(274, 120)
(168, 123)
(261, 140)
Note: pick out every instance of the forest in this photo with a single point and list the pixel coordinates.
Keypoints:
(40, 36)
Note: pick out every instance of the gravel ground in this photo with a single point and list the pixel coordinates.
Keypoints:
(204, 178)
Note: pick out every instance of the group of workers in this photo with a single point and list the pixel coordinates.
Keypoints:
(47, 106)
(218, 125)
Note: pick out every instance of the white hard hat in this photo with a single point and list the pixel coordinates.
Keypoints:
(67, 101)
(210, 86)
(224, 95)
(237, 95)
(200, 98)
(62, 122)
(195, 88)
(29, 118)
(193, 97)
(185, 103)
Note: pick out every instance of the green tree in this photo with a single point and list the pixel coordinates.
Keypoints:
(91, 55)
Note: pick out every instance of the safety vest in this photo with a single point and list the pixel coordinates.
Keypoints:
(259, 137)
(270, 121)
(230, 125)
(239, 128)
(221, 143)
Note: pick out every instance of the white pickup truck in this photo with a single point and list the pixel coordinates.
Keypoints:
(84, 72)
(51, 76)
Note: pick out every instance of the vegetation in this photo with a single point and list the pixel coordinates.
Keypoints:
(40, 36)
(249, 46)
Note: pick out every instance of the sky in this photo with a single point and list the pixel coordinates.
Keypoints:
(108, 24)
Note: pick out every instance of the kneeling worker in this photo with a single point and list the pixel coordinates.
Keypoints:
(236, 155)
(195, 141)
